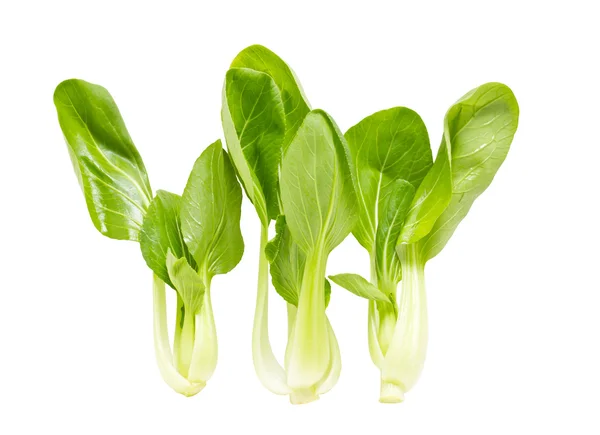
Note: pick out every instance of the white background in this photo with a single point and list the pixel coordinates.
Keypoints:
(514, 298)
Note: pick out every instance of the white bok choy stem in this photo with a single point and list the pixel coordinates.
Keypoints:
(310, 355)
(406, 354)
(187, 244)
(162, 348)
(313, 360)
(195, 332)
(269, 371)
(205, 350)
(272, 375)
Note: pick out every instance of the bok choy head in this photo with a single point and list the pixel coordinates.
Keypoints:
(410, 206)
(319, 202)
(270, 130)
(185, 240)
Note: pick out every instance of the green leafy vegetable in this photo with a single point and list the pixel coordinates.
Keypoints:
(415, 213)
(263, 110)
(254, 126)
(106, 162)
(184, 240)
(319, 201)
(210, 229)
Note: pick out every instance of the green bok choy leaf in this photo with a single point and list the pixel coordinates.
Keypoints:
(108, 166)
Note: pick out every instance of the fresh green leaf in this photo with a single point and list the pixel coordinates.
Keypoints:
(254, 126)
(187, 282)
(386, 146)
(210, 212)
(161, 231)
(479, 128)
(107, 164)
(393, 209)
(295, 103)
(359, 286)
(317, 189)
(430, 200)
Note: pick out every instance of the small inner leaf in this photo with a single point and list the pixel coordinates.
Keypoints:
(187, 282)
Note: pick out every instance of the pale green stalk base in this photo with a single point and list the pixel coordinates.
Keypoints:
(387, 325)
(307, 395)
(374, 348)
(398, 338)
(391, 393)
(405, 357)
(310, 357)
(300, 397)
(205, 351)
(162, 348)
(187, 336)
(177, 358)
(292, 311)
(297, 358)
(335, 363)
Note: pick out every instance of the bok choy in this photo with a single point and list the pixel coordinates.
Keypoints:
(409, 207)
(185, 240)
(294, 166)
